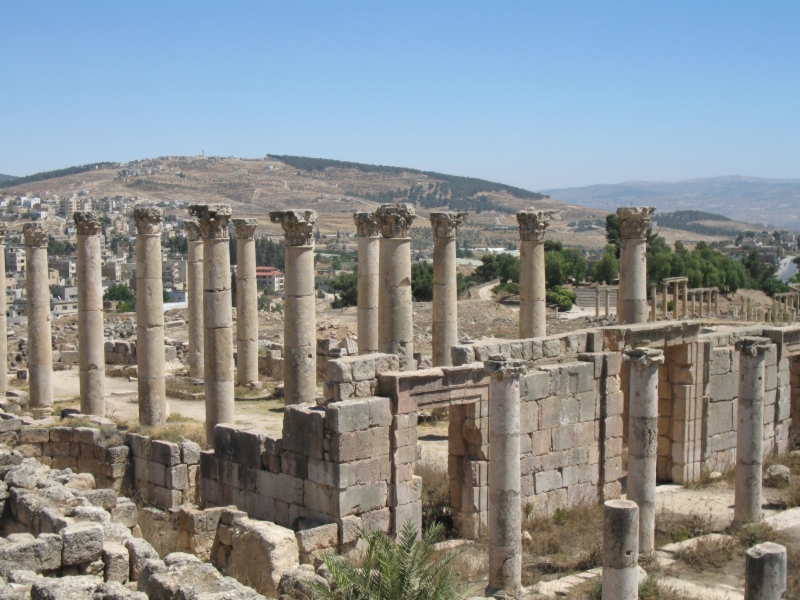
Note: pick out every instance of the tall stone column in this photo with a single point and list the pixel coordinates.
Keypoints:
(664, 299)
(597, 302)
(90, 314)
(765, 572)
(685, 295)
(40, 343)
(217, 314)
(607, 304)
(750, 428)
(505, 513)
(368, 280)
(653, 302)
(300, 320)
(620, 550)
(643, 439)
(246, 303)
(150, 317)
(395, 316)
(632, 295)
(3, 319)
(194, 268)
(532, 293)
(445, 290)
(675, 307)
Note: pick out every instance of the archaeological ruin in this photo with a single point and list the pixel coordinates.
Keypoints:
(538, 424)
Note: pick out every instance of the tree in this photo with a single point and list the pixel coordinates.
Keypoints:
(389, 570)
(56, 248)
(606, 269)
(121, 294)
(422, 281)
(347, 286)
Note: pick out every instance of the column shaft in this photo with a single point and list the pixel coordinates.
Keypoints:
(597, 302)
(194, 269)
(40, 344)
(632, 295)
(246, 303)
(765, 572)
(445, 289)
(675, 307)
(685, 286)
(532, 292)
(90, 314)
(664, 301)
(653, 301)
(368, 281)
(608, 302)
(620, 550)
(3, 319)
(396, 325)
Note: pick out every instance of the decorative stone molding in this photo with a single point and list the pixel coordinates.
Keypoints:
(192, 230)
(445, 224)
(500, 364)
(366, 224)
(87, 222)
(213, 220)
(149, 220)
(245, 228)
(644, 356)
(533, 223)
(753, 345)
(395, 219)
(35, 235)
(634, 221)
(3, 232)
(298, 226)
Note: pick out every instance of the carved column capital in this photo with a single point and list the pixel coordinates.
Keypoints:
(192, 230)
(149, 220)
(644, 356)
(634, 221)
(3, 232)
(533, 223)
(752, 345)
(445, 224)
(213, 219)
(500, 364)
(298, 226)
(366, 224)
(88, 222)
(395, 219)
(245, 228)
(35, 235)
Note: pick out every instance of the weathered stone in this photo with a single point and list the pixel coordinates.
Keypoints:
(262, 552)
(140, 551)
(82, 544)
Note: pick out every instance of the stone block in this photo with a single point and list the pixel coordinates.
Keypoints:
(295, 464)
(117, 454)
(547, 480)
(209, 465)
(318, 538)
(250, 444)
(406, 513)
(406, 492)
(362, 498)
(34, 435)
(549, 413)
(462, 355)
(38, 555)
(156, 473)
(359, 445)
(537, 385)
(61, 434)
(339, 371)
(139, 552)
(724, 387)
(304, 430)
(177, 477)
(720, 363)
(720, 417)
(348, 415)
(117, 562)
(166, 453)
(380, 412)
(81, 544)
(190, 453)
(262, 552)
(581, 378)
(563, 437)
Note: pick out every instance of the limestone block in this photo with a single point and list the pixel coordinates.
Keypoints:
(166, 453)
(295, 464)
(139, 444)
(156, 473)
(563, 437)
(34, 435)
(102, 498)
(462, 355)
(117, 562)
(304, 430)
(117, 454)
(61, 434)
(318, 538)
(547, 480)
(348, 415)
(380, 412)
(405, 492)
(262, 552)
(537, 385)
(359, 445)
(248, 447)
(177, 477)
(406, 513)
(40, 554)
(339, 371)
(720, 363)
(209, 465)
(125, 512)
(720, 417)
(82, 544)
(770, 377)
(724, 387)
(376, 520)
(581, 378)
(190, 453)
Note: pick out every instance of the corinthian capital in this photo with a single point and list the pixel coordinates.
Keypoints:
(445, 224)
(149, 220)
(366, 224)
(500, 364)
(192, 229)
(752, 345)
(395, 219)
(3, 232)
(644, 356)
(213, 220)
(634, 221)
(87, 222)
(298, 226)
(245, 228)
(35, 235)
(533, 223)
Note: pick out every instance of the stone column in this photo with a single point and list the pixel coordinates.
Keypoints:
(300, 312)
(643, 439)
(765, 572)
(3, 320)
(608, 303)
(368, 280)
(40, 343)
(396, 319)
(217, 314)
(694, 303)
(632, 295)
(246, 303)
(445, 290)
(620, 550)
(664, 300)
(150, 317)
(505, 513)
(685, 296)
(716, 303)
(653, 302)
(675, 308)
(91, 342)
(532, 293)
(750, 428)
(708, 308)
(597, 302)
(194, 268)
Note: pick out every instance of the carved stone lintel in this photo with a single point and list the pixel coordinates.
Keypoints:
(394, 219)
(149, 220)
(192, 230)
(3, 232)
(533, 223)
(88, 222)
(213, 220)
(644, 356)
(245, 228)
(445, 224)
(298, 226)
(634, 221)
(753, 345)
(35, 235)
(366, 224)
(500, 364)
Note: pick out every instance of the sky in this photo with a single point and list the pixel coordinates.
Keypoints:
(534, 94)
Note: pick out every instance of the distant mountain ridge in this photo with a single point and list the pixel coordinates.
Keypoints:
(6, 177)
(748, 199)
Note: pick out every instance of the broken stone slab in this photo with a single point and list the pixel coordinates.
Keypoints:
(776, 476)
(140, 551)
(39, 555)
(82, 544)
(298, 583)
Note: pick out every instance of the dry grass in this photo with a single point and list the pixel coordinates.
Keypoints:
(710, 554)
(728, 478)
(789, 495)
(569, 541)
(180, 388)
(674, 527)
(178, 429)
(436, 506)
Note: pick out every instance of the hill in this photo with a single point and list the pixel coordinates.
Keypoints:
(6, 177)
(759, 201)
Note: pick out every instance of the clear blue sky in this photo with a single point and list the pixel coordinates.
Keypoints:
(534, 94)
